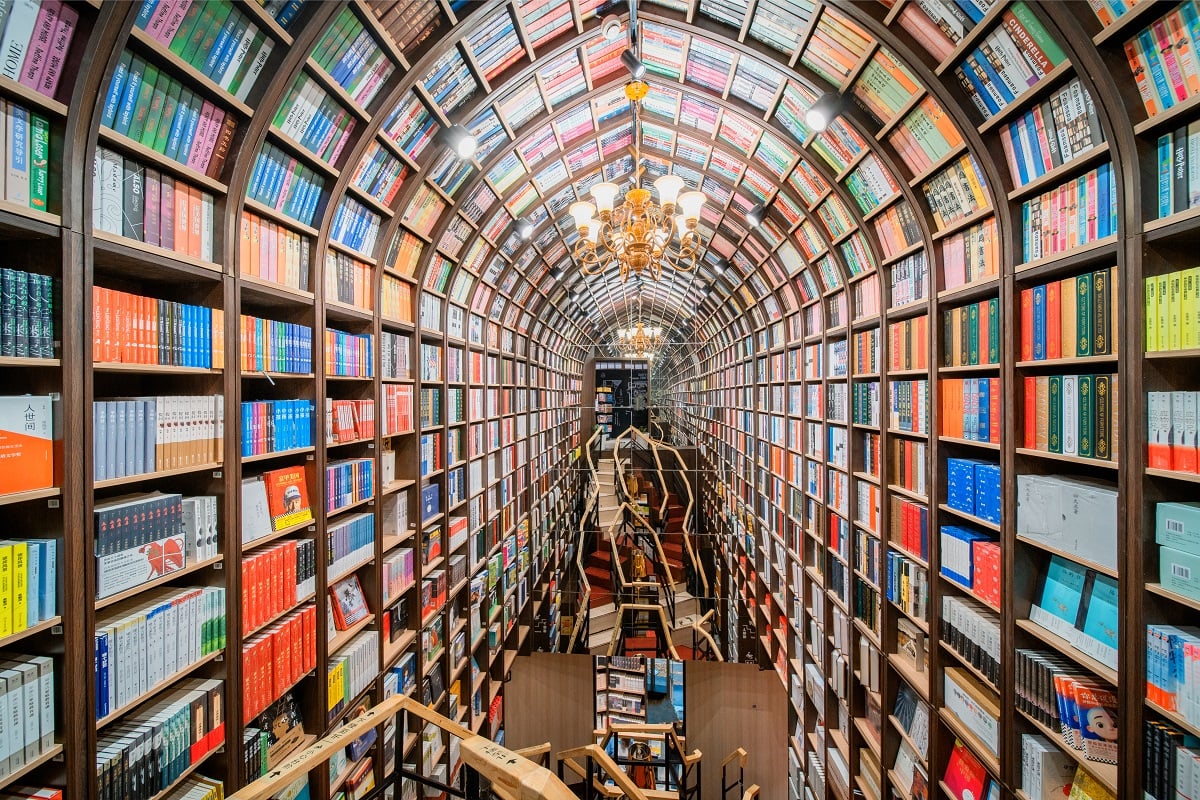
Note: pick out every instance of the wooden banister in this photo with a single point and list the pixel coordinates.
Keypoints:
(653, 609)
(698, 628)
(513, 775)
(585, 597)
(534, 752)
(614, 772)
(740, 755)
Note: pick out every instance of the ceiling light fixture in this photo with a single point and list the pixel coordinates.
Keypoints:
(461, 141)
(638, 236)
(637, 69)
(755, 215)
(525, 229)
(823, 112)
(611, 27)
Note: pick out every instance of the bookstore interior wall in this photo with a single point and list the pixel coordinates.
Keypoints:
(282, 378)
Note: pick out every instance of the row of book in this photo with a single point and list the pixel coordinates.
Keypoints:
(395, 300)
(1177, 533)
(956, 191)
(908, 344)
(909, 406)
(897, 229)
(349, 542)
(1173, 311)
(1079, 604)
(1172, 419)
(1163, 58)
(218, 40)
(28, 583)
(350, 55)
(37, 40)
(349, 420)
(970, 409)
(1172, 761)
(26, 314)
(348, 481)
(864, 403)
(143, 435)
(142, 642)
(1178, 173)
(380, 174)
(397, 574)
(1075, 415)
(1051, 689)
(26, 143)
(355, 226)
(145, 205)
(271, 426)
(1078, 212)
(971, 255)
(394, 355)
(1051, 134)
(907, 585)
(275, 659)
(313, 119)
(349, 354)
(908, 526)
(925, 136)
(282, 183)
(351, 670)
(273, 346)
(272, 252)
(160, 742)
(906, 468)
(151, 108)
(397, 409)
(973, 631)
(973, 487)
(971, 334)
(1070, 318)
(27, 700)
(1171, 678)
(133, 329)
(141, 537)
(971, 560)
(275, 578)
(348, 280)
(347, 603)
(274, 501)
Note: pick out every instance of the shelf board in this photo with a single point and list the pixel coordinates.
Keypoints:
(349, 568)
(1056, 175)
(270, 537)
(969, 667)
(393, 650)
(145, 154)
(1104, 773)
(13, 361)
(1174, 717)
(1020, 103)
(969, 443)
(275, 215)
(339, 641)
(990, 760)
(160, 474)
(346, 311)
(1067, 554)
(105, 602)
(272, 293)
(1068, 259)
(32, 494)
(1158, 589)
(918, 680)
(1165, 118)
(152, 369)
(1089, 462)
(397, 485)
(1169, 354)
(1173, 475)
(967, 43)
(900, 490)
(967, 590)
(297, 451)
(350, 442)
(119, 251)
(155, 689)
(1069, 650)
(1068, 362)
(899, 728)
(348, 507)
(32, 630)
(980, 521)
(41, 759)
(268, 375)
(307, 598)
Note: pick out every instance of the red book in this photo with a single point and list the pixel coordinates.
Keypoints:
(965, 777)
(1030, 412)
(1053, 320)
(1027, 324)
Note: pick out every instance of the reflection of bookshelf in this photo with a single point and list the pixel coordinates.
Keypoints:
(620, 691)
(604, 408)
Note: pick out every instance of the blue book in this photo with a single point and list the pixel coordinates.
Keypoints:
(116, 91)
(1014, 139)
(133, 83)
(1026, 224)
(1082, 204)
(254, 191)
(993, 77)
(223, 40)
(182, 115)
(33, 583)
(207, 334)
(1062, 590)
(145, 13)
(984, 387)
(49, 594)
(247, 429)
(229, 50)
(1036, 166)
(971, 10)
(1162, 87)
(288, 13)
(1103, 617)
(1109, 178)
(981, 91)
(1039, 323)
(1165, 200)
(188, 132)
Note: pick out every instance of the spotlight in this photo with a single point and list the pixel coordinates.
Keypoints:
(461, 141)
(828, 106)
(634, 64)
(611, 27)
(525, 229)
(755, 215)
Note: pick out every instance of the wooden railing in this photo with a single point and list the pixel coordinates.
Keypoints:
(625, 608)
(511, 775)
(702, 635)
(737, 758)
(585, 598)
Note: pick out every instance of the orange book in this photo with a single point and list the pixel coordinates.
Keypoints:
(1053, 320)
(196, 223)
(1027, 324)
(98, 299)
(287, 497)
(26, 443)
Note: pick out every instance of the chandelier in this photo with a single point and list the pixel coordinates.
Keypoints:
(639, 341)
(639, 235)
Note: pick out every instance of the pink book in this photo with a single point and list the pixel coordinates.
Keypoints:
(337, 150)
(174, 20)
(153, 214)
(196, 159)
(68, 21)
(159, 17)
(40, 44)
(167, 223)
(288, 173)
(210, 138)
(333, 131)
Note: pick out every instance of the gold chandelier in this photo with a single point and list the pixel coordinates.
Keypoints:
(638, 236)
(639, 341)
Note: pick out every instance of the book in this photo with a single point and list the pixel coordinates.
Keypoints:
(287, 497)
(348, 603)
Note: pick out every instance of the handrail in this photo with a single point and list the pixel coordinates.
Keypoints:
(740, 754)
(662, 556)
(535, 753)
(751, 792)
(510, 773)
(668, 733)
(662, 614)
(618, 775)
(698, 629)
(593, 495)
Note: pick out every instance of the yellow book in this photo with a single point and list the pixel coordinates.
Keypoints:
(1067, 312)
(1151, 315)
(20, 583)
(1190, 336)
(336, 684)
(1174, 311)
(6, 589)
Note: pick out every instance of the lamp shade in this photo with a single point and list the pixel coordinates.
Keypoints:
(690, 204)
(593, 229)
(668, 187)
(605, 194)
(582, 211)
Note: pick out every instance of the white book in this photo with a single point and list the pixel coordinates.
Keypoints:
(17, 34)
(260, 61)
(240, 54)
(45, 668)
(1070, 413)
(256, 519)
(111, 191)
(31, 715)
(212, 548)
(15, 717)
(16, 155)
(194, 532)
(206, 227)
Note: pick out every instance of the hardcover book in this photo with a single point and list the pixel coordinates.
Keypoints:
(287, 497)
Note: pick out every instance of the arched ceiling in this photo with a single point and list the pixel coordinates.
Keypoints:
(730, 80)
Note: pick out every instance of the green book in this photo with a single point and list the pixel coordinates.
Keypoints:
(973, 332)
(154, 116)
(1086, 433)
(947, 338)
(993, 344)
(39, 162)
(184, 33)
(210, 36)
(189, 47)
(346, 122)
(333, 39)
(1083, 315)
(964, 341)
(1101, 312)
(1054, 439)
(1033, 26)
(167, 118)
(141, 108)
(243, 69)
(1102, 413)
